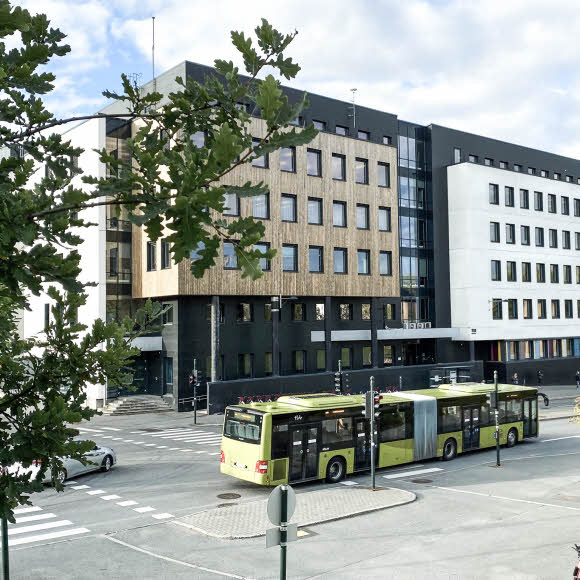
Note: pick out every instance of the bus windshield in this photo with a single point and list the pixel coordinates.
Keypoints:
(243, 426)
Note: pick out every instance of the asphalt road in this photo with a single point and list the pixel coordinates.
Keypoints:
(471, 520)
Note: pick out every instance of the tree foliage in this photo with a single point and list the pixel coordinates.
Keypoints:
(169, 185)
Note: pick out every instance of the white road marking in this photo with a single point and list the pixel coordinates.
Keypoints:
(174, 448)
(412, 473)
(128, 440)
(38, 527)
(139, 442)
(162, 516)
(70, 482)
(560, 438)
(490, 495)
(144, 509)
(27, 510)
(35, 518)
(127, 503)
(179, 433)
(135, 432)
(201, 451)
(80, 486)
(348, 482)
(96, 492)
(206, 438)
(150, 445)
(161, 446)
(213, 453)
(51, 536)
(414, 466)
(116, 439)
(186, 450)
(110, 497)
(87, 429)
(214, 444)
(107, 437)
(110, 428)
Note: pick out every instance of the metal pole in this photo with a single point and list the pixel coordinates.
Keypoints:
(215, 338)
(194, 391)
(283, 530)
(373, 433)
(496, 417)
(5, 562)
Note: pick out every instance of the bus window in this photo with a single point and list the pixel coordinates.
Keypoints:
(485, 419)
(280, 441)
(337, 430)
(513, 410)
(450, 419)
(392, 424)
(243, 426)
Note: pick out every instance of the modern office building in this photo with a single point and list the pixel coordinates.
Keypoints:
(404, 252)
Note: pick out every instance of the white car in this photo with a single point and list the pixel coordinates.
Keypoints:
(99, 458)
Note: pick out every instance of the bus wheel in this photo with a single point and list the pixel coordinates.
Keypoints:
(512, 437)
(335, 470)
(449, 450)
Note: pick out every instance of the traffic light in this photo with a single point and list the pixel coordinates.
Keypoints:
(338, 382)
(346, 382)
(369, 404)
(491, 399)
(377, 405)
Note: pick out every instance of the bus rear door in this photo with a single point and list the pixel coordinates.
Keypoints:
(304, 452)
(531, 417)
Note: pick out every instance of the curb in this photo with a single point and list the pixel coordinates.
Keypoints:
(557, 417)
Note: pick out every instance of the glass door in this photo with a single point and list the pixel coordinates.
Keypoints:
(304, 452)
(362, 455)
(530, 417)
(470, 428)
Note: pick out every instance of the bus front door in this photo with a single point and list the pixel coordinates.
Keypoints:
(304, 452)
(470, 428)
(530, 417)
(362, 452)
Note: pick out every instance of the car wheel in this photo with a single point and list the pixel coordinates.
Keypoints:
(61, 477)
(107, 463)
(335, 470)
(449, 450)
(512, 437)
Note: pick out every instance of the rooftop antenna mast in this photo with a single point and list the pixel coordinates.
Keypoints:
(153, 56)
(353, 91)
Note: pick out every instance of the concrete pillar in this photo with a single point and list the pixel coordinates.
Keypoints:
(327, 332)
(471, 350)
(215, 338)
(374, 341)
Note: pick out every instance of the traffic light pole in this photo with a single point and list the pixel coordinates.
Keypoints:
(372, 426)
(5, 561)
(498, 464)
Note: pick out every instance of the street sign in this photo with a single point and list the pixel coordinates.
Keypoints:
(273, 535)
(275, 505)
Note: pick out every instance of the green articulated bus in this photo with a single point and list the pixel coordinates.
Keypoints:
(307, 437)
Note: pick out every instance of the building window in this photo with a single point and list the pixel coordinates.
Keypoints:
(525, 235)
(340, 130)
(553, 238)
(340, 261)
(46, 317)
(362, 216)
(319, 125)
(165, 255)
(231, 204)
(512, 308)
(386, 263)
(315, 211)
(540, 237)
(263, 247)
(364, 262)
(113, 261)
(554, 274)
(510, 233)
(527, 306)
(261, 206)
(384, 219)
(555, 309)
(290, 258)
(487, 161)
(540, 273)
(298, 311)
(577, 274)
(503, 165)
(556, 175)
(338, 167)
(363, 135)
(319, 311)
(551, 203)
(361, 170)
(289, 213)
(511, 272)
(543, 173)
(473, 158)
(288, 159)
(538, 201)
(524, 199)
(230, 258)
(541, 308)
(246, 365)
(568, 309)
(245, 312)
(526, 272)
(315, 259)
(261, 161)
(387, 355)
(198, 139)
(497, 309)
(567, 271)
(456, 155)
(267, 363)
(268, 312)
(365, 311)
(494, 232)
(384, 175)
(389, 311)
(569, 179)
(345, 311)
(517, 167)
(387, 140)
(494, 194)
(195, 254)
(577, 240)
(314, 162)
(565, 239)
(320, 359)
(346, 356)
(565, 205)
(531, 171)
(339, 214)
(496, 270)
(167, 316)
(168, 370)
(221, 313)
(366, 356)
(577, 206)
(509, 196)
(151, 256)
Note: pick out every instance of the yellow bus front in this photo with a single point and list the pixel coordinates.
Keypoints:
(245, 449)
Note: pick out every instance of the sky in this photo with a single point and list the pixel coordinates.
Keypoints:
(506, 69)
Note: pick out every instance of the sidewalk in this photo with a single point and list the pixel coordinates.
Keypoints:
(250, 520)
(562, 402)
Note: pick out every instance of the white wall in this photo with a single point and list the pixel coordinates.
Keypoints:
(471, 252)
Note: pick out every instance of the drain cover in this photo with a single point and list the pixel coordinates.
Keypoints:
(229, 496)
(422, 480)
(224, 505)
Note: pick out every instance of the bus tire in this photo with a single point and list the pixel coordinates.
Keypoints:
(335, 470)
(449, 449)
(512, 437)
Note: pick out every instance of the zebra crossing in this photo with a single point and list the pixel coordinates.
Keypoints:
(34, 525)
